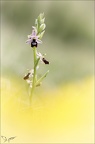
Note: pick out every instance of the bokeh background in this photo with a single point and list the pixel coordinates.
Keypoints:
(63, 107)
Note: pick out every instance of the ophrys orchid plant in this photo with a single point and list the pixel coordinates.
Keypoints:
(34, 40)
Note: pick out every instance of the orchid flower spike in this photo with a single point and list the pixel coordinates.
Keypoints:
(32, 79)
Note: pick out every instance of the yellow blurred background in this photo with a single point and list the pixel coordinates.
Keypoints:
(65, 115)
(63, 107)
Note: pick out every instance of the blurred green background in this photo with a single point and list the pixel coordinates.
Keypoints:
(68, 40)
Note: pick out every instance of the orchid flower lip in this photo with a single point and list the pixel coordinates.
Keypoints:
(45, 61)
(34, 43)
(30, 74)
(26, 76)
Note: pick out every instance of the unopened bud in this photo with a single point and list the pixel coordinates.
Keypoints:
(41, 35)
(42, 21)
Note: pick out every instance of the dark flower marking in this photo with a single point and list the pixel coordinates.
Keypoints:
(45, 61)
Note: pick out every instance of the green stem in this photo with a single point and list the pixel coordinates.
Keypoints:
(34, 75)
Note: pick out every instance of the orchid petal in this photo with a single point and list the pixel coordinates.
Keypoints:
(29, 36)
(35, 29)
(33, 33)
(29, 41)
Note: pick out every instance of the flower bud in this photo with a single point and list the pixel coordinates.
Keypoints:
(42, 21)
(40, 17)
(42, 27)
(41, 35)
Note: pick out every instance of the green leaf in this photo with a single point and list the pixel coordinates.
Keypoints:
(40, 80)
